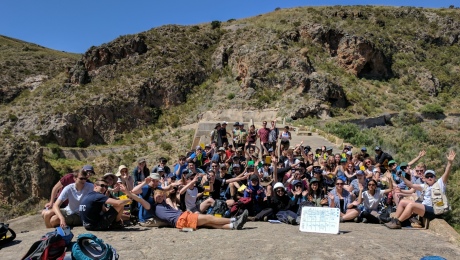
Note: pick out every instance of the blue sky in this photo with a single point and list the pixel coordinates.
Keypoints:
(74, 26)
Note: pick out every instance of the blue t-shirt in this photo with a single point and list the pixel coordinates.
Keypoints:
(146, 194)
(182, 167)
(91, 208)
(167, 213)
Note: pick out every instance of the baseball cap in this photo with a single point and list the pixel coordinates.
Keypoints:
(359, 172)
(217, 125)
(236, 124)
(222, 149)
(349, 153)
(429, 172)
(329, 148)
(364, 149)
(250, 164)
(317, 170)
(377, 148)
(190, 174)
(392, 162)
(198, 147)
(270, 149)
(241, 124)
(236, 166)
(403, 164)
(295, 182)
(141, 160)
(343, 160)
(155, 176)
(160, 169)
(313, 180)
(224, 123)
(88, 168)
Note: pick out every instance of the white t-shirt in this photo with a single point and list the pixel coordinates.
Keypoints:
(74, 196)
(427, 196)
(372, 202)
(190, 198)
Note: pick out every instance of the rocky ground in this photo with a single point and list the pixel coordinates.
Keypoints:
(257, 240)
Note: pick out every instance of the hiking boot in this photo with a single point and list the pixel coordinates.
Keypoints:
(265, 218)
(393, 224)
(241, 220)
(291, 220)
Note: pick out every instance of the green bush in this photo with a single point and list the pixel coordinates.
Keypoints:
(166, 146)
(215, 24)
(80, 142)
(231, 96)
(431, 109)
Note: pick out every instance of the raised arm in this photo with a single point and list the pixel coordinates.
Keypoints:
(420, 155)
(134, 197)
(450, 159)
(138, 188)
(190, 184)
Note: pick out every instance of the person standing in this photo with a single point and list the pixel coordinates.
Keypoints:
(263, 134)
(273, 136)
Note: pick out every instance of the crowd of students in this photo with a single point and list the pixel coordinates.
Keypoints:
(231, 180)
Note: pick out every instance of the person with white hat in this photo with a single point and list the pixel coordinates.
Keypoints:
(434, 201)
(124, 177)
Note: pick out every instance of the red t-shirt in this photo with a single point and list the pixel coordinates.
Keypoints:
(263, 134)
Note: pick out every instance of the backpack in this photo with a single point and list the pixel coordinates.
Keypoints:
(51, 246)
(90, 247)
(220, 207)
(438, 198)
(4, 238)
(240, 206)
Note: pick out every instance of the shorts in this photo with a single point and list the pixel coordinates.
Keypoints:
(187, 220)
(72, 220)
(105, 221)
(429, 213)
(285, 143)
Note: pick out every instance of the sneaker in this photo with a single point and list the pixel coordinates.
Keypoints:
(241, 220)
(393, 224)
(358, 220)
(266, 218)
(365, 220)
(251, 218)
(341, 220)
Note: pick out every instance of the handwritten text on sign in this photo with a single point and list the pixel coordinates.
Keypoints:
(320, 220)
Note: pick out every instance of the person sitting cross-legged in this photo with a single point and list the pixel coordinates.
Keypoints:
(178, 219)
(424, 209)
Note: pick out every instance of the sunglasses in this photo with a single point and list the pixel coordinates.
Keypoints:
(83, 179)
(370, 184)
(103, 186)
(339, 184)
(429, 177)
(418, 170)
(280, 190)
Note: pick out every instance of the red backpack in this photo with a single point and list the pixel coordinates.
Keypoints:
(240, 206)
(51, 247)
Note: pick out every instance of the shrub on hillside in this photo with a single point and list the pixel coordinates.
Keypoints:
(215, 24)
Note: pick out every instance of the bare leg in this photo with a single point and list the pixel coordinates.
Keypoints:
(269, 190)
(47, 214)
(119, 209)
(414, 207)
(350, 214)
(211, 221)
(230, 203)
(54, 221)
(226, 226)
(401, 207)
(232, 190)
(206, 204)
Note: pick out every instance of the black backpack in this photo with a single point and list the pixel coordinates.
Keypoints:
(4, 237)
(220, 207)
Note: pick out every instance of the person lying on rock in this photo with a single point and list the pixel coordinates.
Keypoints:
(178, 219)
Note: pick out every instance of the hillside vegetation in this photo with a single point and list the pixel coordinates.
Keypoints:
(310, 63)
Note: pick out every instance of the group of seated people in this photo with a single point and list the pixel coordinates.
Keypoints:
(225, 186)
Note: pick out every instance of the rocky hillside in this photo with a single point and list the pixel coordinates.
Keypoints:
(322, 62)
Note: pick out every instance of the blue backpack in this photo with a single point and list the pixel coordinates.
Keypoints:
(90, 247)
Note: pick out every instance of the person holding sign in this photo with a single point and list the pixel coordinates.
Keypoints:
(341, 198)
(434, 197)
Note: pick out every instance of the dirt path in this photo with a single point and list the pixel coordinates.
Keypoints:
(257, 240)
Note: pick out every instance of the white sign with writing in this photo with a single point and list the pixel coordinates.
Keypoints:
(320, 220)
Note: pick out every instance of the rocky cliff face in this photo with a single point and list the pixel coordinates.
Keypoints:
(315, 62)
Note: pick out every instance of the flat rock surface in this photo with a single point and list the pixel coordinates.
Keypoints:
(258, 240)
